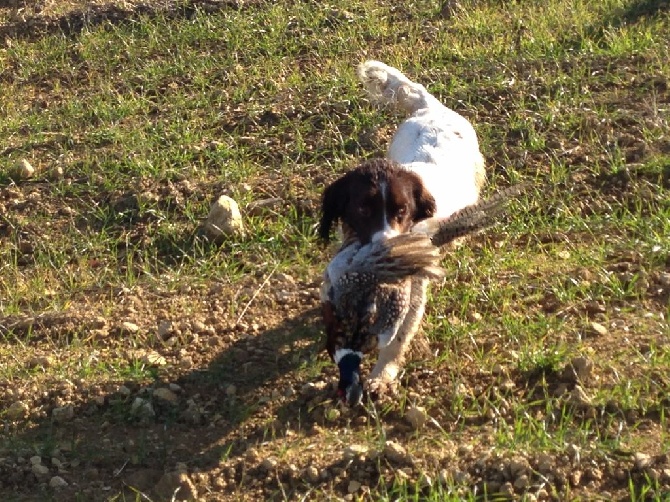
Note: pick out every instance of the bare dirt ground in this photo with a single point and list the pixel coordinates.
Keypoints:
(225, 417)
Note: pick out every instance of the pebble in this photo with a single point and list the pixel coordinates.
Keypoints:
(129, 327)
(165, 394)
(35, 460)
(231, 390)
(522, 482)
(396, 453)
(39, 470)
(164, 329)
(518, 467)
(63, 413)
(124, 391)
(579, 369)
(641, 460)
(269, 464)
(507, 490)
(224, 219)
(355, 451)
(24, 169)
(17, 410)
(416, 416)
(312, 474)
(57, 482)
(598, 329)
(142, 408)
(353, 487)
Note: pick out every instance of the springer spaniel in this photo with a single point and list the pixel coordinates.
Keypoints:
(433, 169)
(433, 166)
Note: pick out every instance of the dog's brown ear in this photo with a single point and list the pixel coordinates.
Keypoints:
(333, 205)
(424, 201)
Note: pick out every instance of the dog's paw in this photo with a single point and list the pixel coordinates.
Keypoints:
(381, 390)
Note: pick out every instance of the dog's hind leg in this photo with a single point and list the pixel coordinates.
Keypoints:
(389, 85)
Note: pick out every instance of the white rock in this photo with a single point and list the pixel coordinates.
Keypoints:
(416, 416)
(129, 327)
(642, 460)
(598, 329)
(354, 451)
(35, 460)
(24, 169)
(57, 482)
(224, 219)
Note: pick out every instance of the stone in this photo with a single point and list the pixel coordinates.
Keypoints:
(522, 482)
(396, 453)
(269, 464)
(579, 370)
(164, 329)
(57, 482)
(24, 169)
(63, 413)
(354, 486)
(224, 219)
(416, 416)
(312, 474)
(598, 329)
(17, 410)
(39, 470)
(355, 451)
(579, 397)
(35, 460)
(129, 327)
(165, 394)
(142, 408)
(641, 460)
(176, 486)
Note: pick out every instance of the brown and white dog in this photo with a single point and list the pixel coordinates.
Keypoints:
(433, 168)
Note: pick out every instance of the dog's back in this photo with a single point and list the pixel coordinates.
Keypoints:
(435, 142)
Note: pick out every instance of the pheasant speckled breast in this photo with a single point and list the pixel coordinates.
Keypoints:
(375, 294)
(366, 296)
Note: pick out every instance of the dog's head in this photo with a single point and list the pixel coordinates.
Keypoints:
(376, 200)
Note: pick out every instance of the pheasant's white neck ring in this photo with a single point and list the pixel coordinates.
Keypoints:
(340, 353)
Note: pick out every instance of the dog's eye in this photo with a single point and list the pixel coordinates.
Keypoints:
(402, 212)
(364, 211)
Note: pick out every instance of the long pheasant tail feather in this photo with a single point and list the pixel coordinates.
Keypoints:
(475, 217)
(410, 254)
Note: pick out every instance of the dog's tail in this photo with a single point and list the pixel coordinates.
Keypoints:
(390, 86)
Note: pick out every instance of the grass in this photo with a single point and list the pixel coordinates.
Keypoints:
(136, 125)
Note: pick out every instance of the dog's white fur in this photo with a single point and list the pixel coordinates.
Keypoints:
(435, 142)
(440, 146)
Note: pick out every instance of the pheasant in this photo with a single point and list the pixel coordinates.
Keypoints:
(374, 295)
